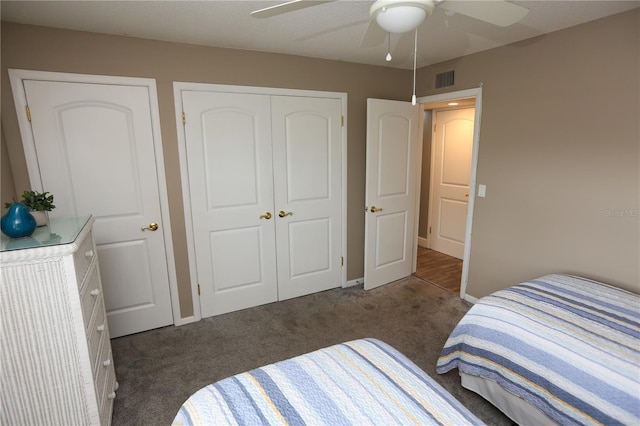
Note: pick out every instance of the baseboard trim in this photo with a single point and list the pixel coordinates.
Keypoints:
(185, 320)
(422, 242)
(470, 299)
(352, 283)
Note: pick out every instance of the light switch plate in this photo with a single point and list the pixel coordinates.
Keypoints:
(482, 190)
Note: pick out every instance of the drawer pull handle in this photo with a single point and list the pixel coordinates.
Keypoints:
(100, 327)
(88, 253)
(112, 395)
(107, 363)
(95, 292)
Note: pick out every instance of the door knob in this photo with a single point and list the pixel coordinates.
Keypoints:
(283, 214)
(375, 209)
(267, 216)
(151, 227)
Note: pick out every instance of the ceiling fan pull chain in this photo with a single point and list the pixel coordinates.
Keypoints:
(415, 55)
(388, 58)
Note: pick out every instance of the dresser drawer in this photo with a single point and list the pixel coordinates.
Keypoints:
(96, 334)
(104, 366)
(90, 295)
(111, 386)
(83, 257)
(106, 384)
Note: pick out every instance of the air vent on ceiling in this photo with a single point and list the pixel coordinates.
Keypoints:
(444, 79)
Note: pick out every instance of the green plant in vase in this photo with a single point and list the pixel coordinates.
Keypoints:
(39, 203)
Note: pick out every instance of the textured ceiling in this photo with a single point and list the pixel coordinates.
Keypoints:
(328, 31)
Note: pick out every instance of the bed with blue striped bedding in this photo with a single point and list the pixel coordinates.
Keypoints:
(360, 382)
(567, 345)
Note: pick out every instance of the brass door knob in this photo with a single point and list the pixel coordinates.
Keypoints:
(282, 213)
(151, 227)
(267, 216)
(375, 209)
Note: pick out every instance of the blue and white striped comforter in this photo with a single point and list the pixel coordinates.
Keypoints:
(360, 382)
(567, 345)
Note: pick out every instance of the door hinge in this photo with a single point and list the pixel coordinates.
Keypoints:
(341, 260)
(429, 229)
(184, 118)
(28, 113)
(198, 289)
(342, 121)
(435, 127)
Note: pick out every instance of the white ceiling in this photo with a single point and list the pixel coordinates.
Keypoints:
(328, 31)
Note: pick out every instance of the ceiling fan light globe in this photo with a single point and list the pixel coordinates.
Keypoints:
(400, 18)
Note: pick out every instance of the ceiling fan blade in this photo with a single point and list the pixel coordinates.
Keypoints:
(374, 35)
(496, 12)
(287, 7)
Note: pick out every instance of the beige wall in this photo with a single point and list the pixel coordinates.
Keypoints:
(7, 189)
(425, 176)
(48, 49)
(560, 155)
(559, 144)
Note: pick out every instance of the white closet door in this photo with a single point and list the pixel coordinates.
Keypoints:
(95, 152)
(307, 143)
(392, 156)
(228, 144)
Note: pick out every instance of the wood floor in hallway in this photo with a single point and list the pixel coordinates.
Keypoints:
(440, 269)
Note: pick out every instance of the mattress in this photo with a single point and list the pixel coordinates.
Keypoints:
(514, 407)
(364, 381)
(567, 345)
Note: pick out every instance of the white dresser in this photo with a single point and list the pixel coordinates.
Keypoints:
(56, 365)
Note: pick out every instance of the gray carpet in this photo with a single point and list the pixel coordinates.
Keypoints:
(159, 369)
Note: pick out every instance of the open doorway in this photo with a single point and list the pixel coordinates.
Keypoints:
(438, 268)
(447, 188)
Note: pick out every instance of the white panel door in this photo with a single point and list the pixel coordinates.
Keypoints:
(228, 144)
(391, 178)
(95, 152)
(307, 146)
(453, 141)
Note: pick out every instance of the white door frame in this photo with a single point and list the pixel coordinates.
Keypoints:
(450, 96)
(17, 76)
(178, 87)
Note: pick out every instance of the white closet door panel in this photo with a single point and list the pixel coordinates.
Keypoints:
(394, 142)
(237, 257)
(308, 150)
(112, 144)
(310, 236)
(95, 150)
(224, 129)
(307, 143)
(228, 144)
(134, 255)
(391, 249)
(456, 213)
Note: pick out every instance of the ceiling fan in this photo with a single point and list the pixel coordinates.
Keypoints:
(401, 16)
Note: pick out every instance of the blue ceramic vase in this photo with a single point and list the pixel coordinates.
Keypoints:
(18, 222)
